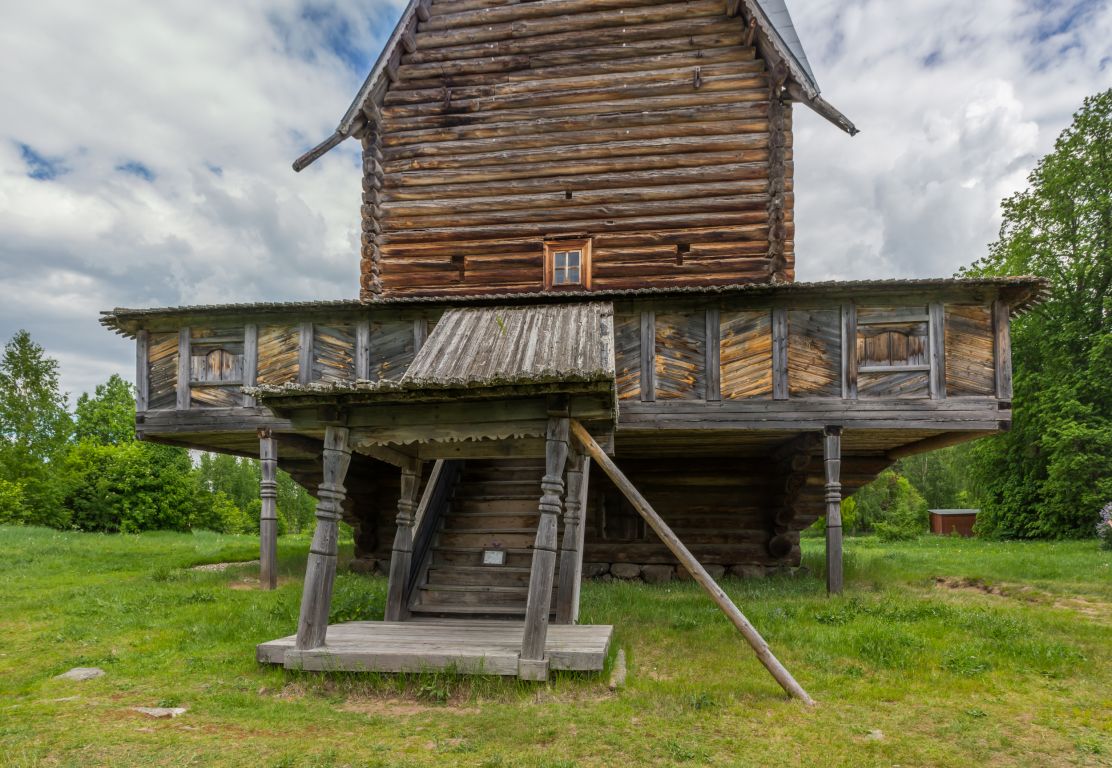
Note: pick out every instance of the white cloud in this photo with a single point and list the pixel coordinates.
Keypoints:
(207, 104)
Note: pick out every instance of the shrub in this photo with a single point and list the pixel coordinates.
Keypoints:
(11, 501)
(1104, 527)
(892, 507)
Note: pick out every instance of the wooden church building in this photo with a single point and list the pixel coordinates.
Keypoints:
(577, 303)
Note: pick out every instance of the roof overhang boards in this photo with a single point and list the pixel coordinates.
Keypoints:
(787, 72)
(793, 79)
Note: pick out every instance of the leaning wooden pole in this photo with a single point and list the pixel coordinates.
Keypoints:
(748, 631)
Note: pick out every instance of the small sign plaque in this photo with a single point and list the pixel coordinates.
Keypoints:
(494, 557)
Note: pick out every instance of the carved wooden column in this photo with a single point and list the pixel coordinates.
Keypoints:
(832, 459)
(268, 516)
(401, 559)
(320, 573)
(571, 547)
(532, 664)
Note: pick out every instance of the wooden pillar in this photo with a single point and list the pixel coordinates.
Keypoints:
(1002, 348)
(250, 360)
(142, 370)
(184, 371)
(268, 516)
(780, 387)
(320, 573)
(832, 459)
(401, 558)
(571, 547)
(532, 664)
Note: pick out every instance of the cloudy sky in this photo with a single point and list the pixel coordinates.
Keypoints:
(145, 147)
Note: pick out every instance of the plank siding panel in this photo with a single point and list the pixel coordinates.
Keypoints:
(509, 123)
(392, 348)
(970, 365)
(680, 357)
(163, 370)
(815, 353)
(900, 384)
(333, 353)
(746, 353)
(216, 397)
(278, 354)
(627, 355)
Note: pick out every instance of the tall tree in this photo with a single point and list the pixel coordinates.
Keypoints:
(34, 428)
(108, 416)
(1050, 476)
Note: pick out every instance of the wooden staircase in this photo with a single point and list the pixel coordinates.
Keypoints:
(493, 506)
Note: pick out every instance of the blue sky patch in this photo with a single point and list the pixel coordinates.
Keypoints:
(135, 168)
(39, 166)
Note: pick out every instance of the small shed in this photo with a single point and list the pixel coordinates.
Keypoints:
(947, 521)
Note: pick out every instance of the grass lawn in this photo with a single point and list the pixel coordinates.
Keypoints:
(942, 652)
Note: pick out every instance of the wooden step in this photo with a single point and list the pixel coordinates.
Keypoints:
(454, 609)
(467, 506)
(491, 521)
(521, 557)
(510, 538)
(480, 574)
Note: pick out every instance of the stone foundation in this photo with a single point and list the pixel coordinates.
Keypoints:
(655, 573)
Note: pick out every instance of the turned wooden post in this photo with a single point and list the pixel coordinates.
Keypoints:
(532, 664)
(571, 547)
(832, 459)
(268, 515)
(401, 558)
(320, 573)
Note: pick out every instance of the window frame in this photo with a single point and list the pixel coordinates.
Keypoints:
(551, 248)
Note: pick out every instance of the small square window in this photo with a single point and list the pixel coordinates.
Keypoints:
(567, 264)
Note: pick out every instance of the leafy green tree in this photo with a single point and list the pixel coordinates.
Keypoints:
(34, 428)
(132, 487)
(108, 416)
(891, 507)
(1051, 474)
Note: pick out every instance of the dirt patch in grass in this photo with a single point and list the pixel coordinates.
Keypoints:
(221, 567)
(393, 707)
(249, 583)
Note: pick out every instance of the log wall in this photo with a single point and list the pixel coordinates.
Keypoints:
(645, 124)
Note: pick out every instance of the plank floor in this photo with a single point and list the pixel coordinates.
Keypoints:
(482, 647)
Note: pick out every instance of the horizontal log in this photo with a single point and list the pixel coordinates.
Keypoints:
(580, 100)
(632, 178)
(495, 61)
(539, 88)
(573, 168)
(601, 134)
(570, 152)
(568, 26)
(559, 199)
(514, 69)
(486, 14)
(542, 217)
(617, 106)
(578, 225)
(565, 42)
(432, 139)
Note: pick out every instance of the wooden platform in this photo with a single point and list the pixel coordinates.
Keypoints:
(478, 647)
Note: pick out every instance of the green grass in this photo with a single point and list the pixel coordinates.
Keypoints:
(1006, 661)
